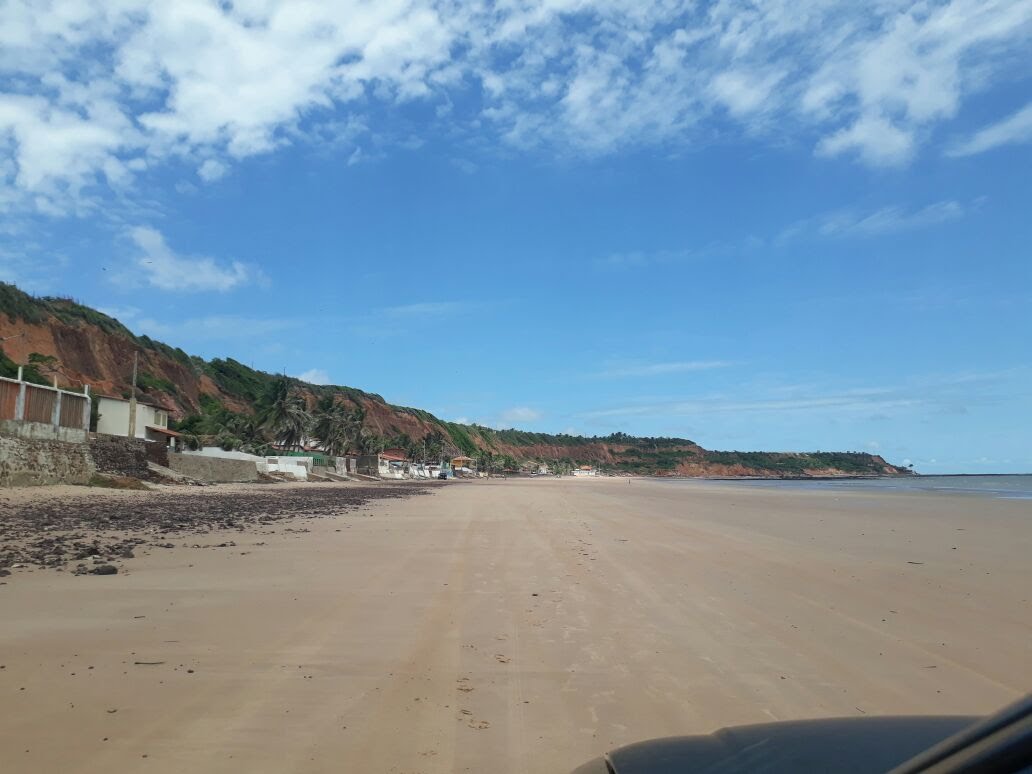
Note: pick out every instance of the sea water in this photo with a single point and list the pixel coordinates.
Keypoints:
(1013, 487)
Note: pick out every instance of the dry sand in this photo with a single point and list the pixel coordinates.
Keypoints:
(517, 626)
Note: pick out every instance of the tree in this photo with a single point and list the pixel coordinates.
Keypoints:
(432, 446)
(370, 442)
(335, 427)
(284, 413)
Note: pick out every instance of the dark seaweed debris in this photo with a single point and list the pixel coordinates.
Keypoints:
(102, 530)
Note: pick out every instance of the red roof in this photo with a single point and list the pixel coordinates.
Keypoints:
(164, 431)
(393, 456)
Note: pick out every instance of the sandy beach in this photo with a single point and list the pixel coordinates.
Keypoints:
(512, 626)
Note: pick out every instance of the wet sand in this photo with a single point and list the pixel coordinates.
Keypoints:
(514, 626)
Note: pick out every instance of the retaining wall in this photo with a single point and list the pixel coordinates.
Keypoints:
(36, 462)
(39, 431)
(213, 469)
(120, 456)
(157, 453)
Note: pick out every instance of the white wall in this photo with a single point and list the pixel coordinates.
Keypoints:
(114, 417)
(218, 451)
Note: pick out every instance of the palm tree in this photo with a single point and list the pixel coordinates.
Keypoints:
(332, 426)
(340, 430)
(284, 413)
(369, 441)
(433, 446)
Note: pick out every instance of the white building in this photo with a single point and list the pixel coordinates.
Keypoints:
(585, 470)
(151, 421)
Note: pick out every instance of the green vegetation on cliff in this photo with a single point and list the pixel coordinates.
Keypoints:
(250, 409)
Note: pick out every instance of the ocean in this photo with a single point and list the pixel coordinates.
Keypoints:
(1010, 487)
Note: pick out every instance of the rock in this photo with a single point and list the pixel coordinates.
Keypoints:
(104, 569)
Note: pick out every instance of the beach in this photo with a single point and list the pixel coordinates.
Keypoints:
(510, 626)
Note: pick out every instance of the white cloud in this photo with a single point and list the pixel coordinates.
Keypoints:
(162, 268)
(851, 223)
(884, 220)
(743, 93)
(933, 393)
(315, 376)
(220, 328)
(637, 258)
(1016, 128)
(427, 309)
(849, 401)
(211, 170)
(120, 313)
(518, 415)
(662, 369)
(880, 142)
(93, 93)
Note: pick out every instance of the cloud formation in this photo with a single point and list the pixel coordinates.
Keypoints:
(944, 392)
(315, 376)
(518, 415)
(1014, 129)
(890, 219)
(661, 369)
(94, 94)
(220, 328)
(160, 267)
(428, 309)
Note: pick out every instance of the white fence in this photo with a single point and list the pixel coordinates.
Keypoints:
(27, 402)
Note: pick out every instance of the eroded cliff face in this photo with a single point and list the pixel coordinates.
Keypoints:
(88, 355)
(91, 348)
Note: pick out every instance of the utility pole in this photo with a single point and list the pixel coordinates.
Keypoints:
(132, 399)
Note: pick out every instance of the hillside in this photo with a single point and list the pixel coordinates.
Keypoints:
(218, 399)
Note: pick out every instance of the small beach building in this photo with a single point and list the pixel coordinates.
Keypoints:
(585, 470)
(391, 463)
(464, 464)
(151, 420)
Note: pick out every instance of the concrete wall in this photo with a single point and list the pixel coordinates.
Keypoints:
(368, 464)
(306, 462)
(35, 462)
(41, 432)
(218, 451)
(213, 469)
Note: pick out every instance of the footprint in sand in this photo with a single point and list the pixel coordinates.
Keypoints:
(502, 659)
(463, 685)
(479, 725)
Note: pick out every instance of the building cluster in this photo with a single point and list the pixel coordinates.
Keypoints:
(52, 413)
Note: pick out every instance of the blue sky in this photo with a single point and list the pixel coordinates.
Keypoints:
(801, 226)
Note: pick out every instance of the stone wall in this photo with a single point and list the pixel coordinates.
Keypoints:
(157, 453)
(120, 456)
(213, 469)
(36, 462)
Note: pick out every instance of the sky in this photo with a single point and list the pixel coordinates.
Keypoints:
(772, 226)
